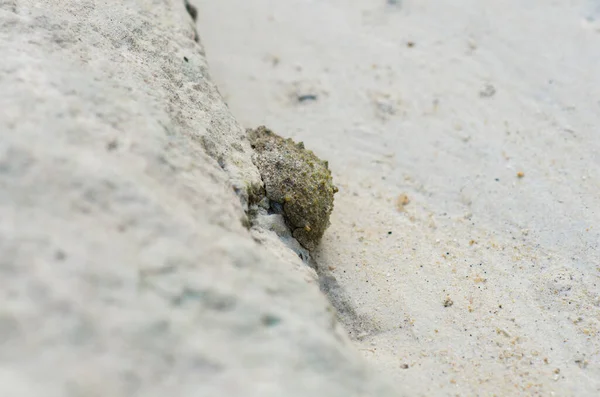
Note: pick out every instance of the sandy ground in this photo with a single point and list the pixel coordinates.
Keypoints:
(465, 139)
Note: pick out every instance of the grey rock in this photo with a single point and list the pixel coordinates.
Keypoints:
(125, 266)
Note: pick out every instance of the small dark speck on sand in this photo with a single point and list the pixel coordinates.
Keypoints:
(60, 255)
(112, 145)
(307, 97)
(487, 91)
(270, 320)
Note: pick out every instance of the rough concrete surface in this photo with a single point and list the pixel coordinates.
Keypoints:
(125, 265)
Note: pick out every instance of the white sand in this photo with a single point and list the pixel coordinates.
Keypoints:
(445, 102)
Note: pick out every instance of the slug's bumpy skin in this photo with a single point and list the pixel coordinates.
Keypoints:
(297, 183)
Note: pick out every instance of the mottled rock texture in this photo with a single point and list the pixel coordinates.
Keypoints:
(297, 182)
(125, 265)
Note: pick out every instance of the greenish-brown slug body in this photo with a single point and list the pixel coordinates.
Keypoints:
(297, 183)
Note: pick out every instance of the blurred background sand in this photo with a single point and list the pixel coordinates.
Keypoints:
(465, 139)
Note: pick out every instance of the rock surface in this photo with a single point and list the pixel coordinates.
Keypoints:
(126, 269)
